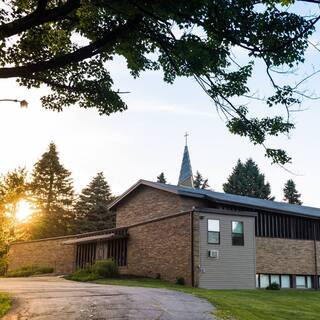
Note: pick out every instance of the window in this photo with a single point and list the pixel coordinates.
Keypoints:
(264, 280)
(213, 231)
(303, 282)
(275, 279)
(237, 233)
(285, 281)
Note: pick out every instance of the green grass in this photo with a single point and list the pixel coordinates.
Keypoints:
(243, 304)
(5, 303)
(28, 271)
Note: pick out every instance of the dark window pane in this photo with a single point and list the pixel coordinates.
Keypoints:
(237, 233)
(213, 237)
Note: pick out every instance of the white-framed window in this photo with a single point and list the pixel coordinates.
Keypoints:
(264, 280)
(213, 231)
(303, 282)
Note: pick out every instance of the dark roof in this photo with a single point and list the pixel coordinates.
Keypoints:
(226, 198)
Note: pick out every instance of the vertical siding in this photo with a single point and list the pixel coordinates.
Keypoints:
(235, 267)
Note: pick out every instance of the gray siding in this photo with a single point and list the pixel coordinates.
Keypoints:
(236, 266)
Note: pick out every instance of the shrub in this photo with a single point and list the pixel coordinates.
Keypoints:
(105, 268)
(83, 275)
(3, 265)
(29, 271)
(180, 281)
(273, 286)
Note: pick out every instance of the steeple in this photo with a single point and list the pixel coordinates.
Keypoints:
(186, 176)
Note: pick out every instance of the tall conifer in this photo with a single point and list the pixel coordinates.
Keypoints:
(91, 208)
(246, 180)
(53, 195)
(291, 195)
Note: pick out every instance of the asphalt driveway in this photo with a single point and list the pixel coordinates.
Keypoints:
(52, 298)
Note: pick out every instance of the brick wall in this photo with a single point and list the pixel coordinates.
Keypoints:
(147, 203)
(161, 247)
(45, 253)
(286, 256)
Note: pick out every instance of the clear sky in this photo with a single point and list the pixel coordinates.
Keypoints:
(148, 138)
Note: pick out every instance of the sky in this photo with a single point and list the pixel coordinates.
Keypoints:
(148, 138)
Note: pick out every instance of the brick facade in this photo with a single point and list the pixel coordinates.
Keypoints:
(162, 248)
(146, 203)
(44, 253)
(286, 256)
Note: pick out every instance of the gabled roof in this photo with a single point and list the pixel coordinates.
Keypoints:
(225, 198)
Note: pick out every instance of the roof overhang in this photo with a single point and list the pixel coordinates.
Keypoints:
(141, 182)
(90, 239)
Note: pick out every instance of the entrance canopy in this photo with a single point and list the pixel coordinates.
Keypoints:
(90, 239)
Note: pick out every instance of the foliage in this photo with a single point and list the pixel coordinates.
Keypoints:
(246, 180)
(91, 208)
(69, 44)
(180, 281)
(13, 188)
(199, 182)
(29, 271)
(83, 275)
(273, 286)
(161, 178)
(53, 196)
(242, 304)
(290, 193)
(105, 268)
(3, 264)
(5, 304)
(100, 269)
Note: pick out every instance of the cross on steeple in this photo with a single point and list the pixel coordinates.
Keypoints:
(186, 135)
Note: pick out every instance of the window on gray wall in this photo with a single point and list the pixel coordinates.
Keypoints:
(237, 233)
(213, 231)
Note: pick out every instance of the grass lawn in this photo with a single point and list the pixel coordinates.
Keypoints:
(5, 303)
(244, 304)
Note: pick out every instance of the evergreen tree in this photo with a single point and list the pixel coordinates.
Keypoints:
(199, 182)
(161, 178)
(53, 195)
(91, 208)
(291, 194)
(246, 180)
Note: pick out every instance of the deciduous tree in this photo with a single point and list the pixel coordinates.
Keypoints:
(69, 44)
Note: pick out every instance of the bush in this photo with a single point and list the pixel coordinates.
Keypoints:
(29, 271)
(83, 275)
(3, 265)
(180, 281)
(100, 269)
(105, 268)
(273, 286)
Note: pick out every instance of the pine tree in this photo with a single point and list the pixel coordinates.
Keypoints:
(199, 182)
(161, 178)
(246, 180)
(53, 195)
(291, 194)
(91, 208)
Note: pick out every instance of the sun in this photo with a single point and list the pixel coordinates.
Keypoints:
(24, 210)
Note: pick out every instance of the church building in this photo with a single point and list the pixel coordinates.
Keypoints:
(211, 239)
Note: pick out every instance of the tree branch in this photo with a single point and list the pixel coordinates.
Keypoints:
(38, 17)
(83, 53)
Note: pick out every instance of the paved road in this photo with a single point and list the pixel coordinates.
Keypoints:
(52, 298)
